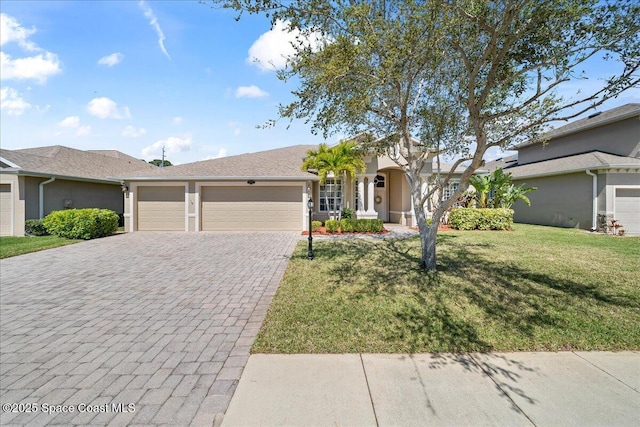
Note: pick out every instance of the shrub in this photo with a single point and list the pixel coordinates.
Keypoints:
(315, 225)
(361, 225)
(331, 225)
(348, 225)
(81, 223)
(348, 213)
(35, 227)
(481, 219)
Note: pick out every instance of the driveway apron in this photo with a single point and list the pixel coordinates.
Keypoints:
(141, 328)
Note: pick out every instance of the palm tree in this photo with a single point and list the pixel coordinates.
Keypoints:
(482, 184)
(343, 159)
(514, 193)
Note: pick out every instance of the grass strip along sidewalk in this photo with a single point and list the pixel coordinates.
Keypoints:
(535, 288)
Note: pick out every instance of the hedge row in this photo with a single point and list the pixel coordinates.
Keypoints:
(481, 219)
(35, 227)
(351, 225)
(81, 223)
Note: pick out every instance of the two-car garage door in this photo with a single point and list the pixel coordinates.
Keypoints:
(251, 208)
(231, 208)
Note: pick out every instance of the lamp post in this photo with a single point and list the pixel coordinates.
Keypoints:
(310, 208)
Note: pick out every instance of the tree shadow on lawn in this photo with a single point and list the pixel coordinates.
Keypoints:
(471, 295)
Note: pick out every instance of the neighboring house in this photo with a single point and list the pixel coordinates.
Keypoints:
(266, 190)
(37, 181)
(587, 172)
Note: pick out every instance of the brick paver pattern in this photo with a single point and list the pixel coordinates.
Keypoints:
(163, 321)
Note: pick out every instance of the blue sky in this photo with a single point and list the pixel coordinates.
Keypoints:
(135, 76)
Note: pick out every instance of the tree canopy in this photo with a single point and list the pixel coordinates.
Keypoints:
(460, 76)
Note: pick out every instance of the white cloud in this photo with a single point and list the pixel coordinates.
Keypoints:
(272, 49)
(70, 122)
(221, 153)
(132, 132)
(177, 120)
(12, 31)
(153, 21)
(250, 92)
(83, 130)
(106, 108)
(12, 102)
(38, 67)
(111, 60)
(171, 145)
(73, 122)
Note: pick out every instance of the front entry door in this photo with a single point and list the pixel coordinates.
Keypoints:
(381, 199)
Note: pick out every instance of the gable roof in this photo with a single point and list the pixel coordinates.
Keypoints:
(279, 163)
(594, 120)
(71, 163)
(570, 164)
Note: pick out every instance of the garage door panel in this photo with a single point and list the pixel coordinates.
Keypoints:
(5, 210)
(628, 209)
(251, 209)
(161, 209)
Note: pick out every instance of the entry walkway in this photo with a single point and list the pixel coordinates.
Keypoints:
(499, 389)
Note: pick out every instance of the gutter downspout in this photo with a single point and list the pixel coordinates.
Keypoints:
(594, 220)
(41, 195)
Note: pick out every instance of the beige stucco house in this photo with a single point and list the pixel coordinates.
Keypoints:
(262, 191)
(37, 181)
(587, 172)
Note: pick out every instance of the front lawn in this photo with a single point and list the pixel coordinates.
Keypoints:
(536, 288)
(12, 246)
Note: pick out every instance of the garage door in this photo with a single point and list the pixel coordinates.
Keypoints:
(161, 209)
(628, 209)
(251, 208)
(5, 210)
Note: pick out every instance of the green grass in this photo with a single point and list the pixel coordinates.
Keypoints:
(536, 288)
(12, 246)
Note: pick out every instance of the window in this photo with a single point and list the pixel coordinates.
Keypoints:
(331, 193)
(379, 181)
(449, 190)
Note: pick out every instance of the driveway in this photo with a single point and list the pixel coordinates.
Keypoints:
(139, 328)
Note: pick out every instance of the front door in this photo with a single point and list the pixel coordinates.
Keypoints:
(381, 199)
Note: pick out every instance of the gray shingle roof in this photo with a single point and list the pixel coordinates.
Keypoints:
(65, 161)
(594, 120)
(276, 163)
(579, 162)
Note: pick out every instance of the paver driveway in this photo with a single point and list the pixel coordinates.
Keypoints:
(162, 321)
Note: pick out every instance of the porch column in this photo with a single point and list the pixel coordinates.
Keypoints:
(360, 198)
(371, 196)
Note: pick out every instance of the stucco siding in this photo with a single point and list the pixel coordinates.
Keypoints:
(561, 201)
(63, 194)
(622, 138)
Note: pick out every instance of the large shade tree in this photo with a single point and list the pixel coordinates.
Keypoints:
(461, 76)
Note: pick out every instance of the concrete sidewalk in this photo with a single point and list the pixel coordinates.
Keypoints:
(500, 389)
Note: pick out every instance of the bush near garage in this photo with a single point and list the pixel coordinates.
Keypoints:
(82, 223)
(35, 227)
(481, 219)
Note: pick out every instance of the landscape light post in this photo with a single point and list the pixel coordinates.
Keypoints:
(310, 208)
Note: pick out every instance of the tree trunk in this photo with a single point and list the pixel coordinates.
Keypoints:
(428, 234)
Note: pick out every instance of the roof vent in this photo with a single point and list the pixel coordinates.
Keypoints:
(594, 115)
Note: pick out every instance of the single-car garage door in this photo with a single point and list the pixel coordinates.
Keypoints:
(161, 209)
(251, 208)
(628, 209)
(5, 210)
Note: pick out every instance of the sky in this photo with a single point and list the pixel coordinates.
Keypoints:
(139, 75)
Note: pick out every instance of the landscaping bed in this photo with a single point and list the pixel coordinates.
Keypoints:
(534, 288)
